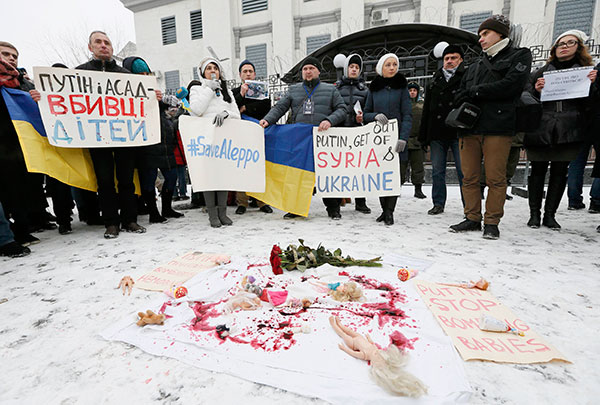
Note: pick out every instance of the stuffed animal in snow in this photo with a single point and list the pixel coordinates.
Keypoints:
(150, 318)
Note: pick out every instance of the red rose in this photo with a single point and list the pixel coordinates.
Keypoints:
(276, 260)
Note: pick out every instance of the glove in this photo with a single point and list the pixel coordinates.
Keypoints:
(381, 119)
(213, 84)
(400, 145)
(220, 118)
(170, 100)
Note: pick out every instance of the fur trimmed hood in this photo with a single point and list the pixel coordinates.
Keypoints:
(396, 82)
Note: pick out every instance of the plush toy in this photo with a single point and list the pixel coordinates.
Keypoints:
(244, 300)
(387, 366)
(340, 292)
(150, 318)
(126, 283)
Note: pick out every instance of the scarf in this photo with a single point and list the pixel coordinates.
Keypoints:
(497, 47)
(9, 76)
(448, 73)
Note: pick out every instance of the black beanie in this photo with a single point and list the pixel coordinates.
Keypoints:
(355, 59)
(246, 62)
(453, 49)
(498, 23)
(311, 61)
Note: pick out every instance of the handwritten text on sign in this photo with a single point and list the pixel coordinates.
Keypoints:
(357, 162)
(458, 311)
(230, 157)
(87, 109)
(565, 84)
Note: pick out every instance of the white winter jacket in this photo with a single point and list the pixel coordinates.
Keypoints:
(204, 102)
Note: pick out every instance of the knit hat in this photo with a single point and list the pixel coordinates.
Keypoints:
(60, 65)
(246, 62)
(580, 35)
(354, 58)
(204, 63)
(498, 23)
(381, 61)
(453, 49)
(311, 61)
(413, 85)
(139, 66)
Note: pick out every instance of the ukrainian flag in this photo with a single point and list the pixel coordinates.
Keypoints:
(290, 167)
(71, 166)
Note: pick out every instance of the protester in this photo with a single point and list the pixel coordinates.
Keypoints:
(416, 155)
(159, 156)
(575, 182)
(388, 98)
(8, 246)
(353, 90)
(495, 89)
(434, 133)
(594, 135)
(511, 164)
(561, 133)
(210, 98)
(255, 109)
(311, 102)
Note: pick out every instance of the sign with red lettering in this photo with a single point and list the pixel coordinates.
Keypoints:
(357, 162)
(88, 109)
(179, 270)
(459, 310)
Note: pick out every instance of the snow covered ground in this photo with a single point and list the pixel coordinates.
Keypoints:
(63, 294)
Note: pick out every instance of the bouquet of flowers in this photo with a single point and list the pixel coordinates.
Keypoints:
(304, 257)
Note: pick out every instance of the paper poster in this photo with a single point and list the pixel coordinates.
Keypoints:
(257, 90)
(458, 310)
(357, 162)
(179, 270)
(566, 84)
(89, 109)
(230, 157)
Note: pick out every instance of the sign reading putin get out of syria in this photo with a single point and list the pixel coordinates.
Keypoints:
(88, 109)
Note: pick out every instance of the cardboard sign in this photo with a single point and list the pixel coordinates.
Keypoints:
(179, 270)
(458, 310)
(566, 84)
(357, 162)
(230, 157)
(88, 109)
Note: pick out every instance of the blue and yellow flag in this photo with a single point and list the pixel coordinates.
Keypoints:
(290, 168)
(72, 166)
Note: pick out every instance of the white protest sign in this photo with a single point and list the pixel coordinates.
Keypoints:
(566, 84)
(89, 109)
(357, 162)
(230, 157)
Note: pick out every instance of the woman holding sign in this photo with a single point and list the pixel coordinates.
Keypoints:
(387, 99)
(560, 135)
(210, 98)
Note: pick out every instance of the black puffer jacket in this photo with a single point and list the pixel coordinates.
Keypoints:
(352, 90)
(102, 66)
(496, 92)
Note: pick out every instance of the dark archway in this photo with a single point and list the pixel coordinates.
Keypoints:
(412, 43)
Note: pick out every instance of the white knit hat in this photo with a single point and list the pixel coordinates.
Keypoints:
(580, 35)
(381, 61)
(205, 63)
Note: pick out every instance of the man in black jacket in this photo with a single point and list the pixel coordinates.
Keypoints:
(105, 160)
(494, 83)
(255, 109)
(439, 101)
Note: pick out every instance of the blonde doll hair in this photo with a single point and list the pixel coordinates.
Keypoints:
(392, 376)
(347, 292)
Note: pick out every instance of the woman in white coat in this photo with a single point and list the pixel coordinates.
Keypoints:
(210, 98)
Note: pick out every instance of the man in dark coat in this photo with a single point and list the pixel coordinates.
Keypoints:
(495, 90)
(416, 156)
(311, 102)
(106, 160)
(434, 133)
(255, 109)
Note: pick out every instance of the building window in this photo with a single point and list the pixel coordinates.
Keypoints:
(573, 14)
(195, 74)
(250, 6)
(167, 26)
(317, 41)
(172, 81)
(196, 24)
(257, 54)
(471, 22)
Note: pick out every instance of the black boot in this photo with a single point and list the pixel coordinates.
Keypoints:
(167, 211)
(382, 202)
(556, 189)
(388, 219)
(150, 200)
(360, 205)
(535, 192)
(419, 191)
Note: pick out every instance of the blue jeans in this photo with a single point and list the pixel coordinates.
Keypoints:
(6, 235)
(439, 151)
(575, 176)
(148, 179)
(181, 189)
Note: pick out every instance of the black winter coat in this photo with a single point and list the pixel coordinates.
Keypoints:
(496, 92)
(254, 108)
(160, 155)
(439, 101)
(102, 66)
(352, 90)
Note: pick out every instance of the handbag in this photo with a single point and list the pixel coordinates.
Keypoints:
(463, 117)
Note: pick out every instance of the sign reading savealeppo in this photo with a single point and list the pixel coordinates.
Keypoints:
(179, 270)
(357, 162)
(458, 310)
(88, 109)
